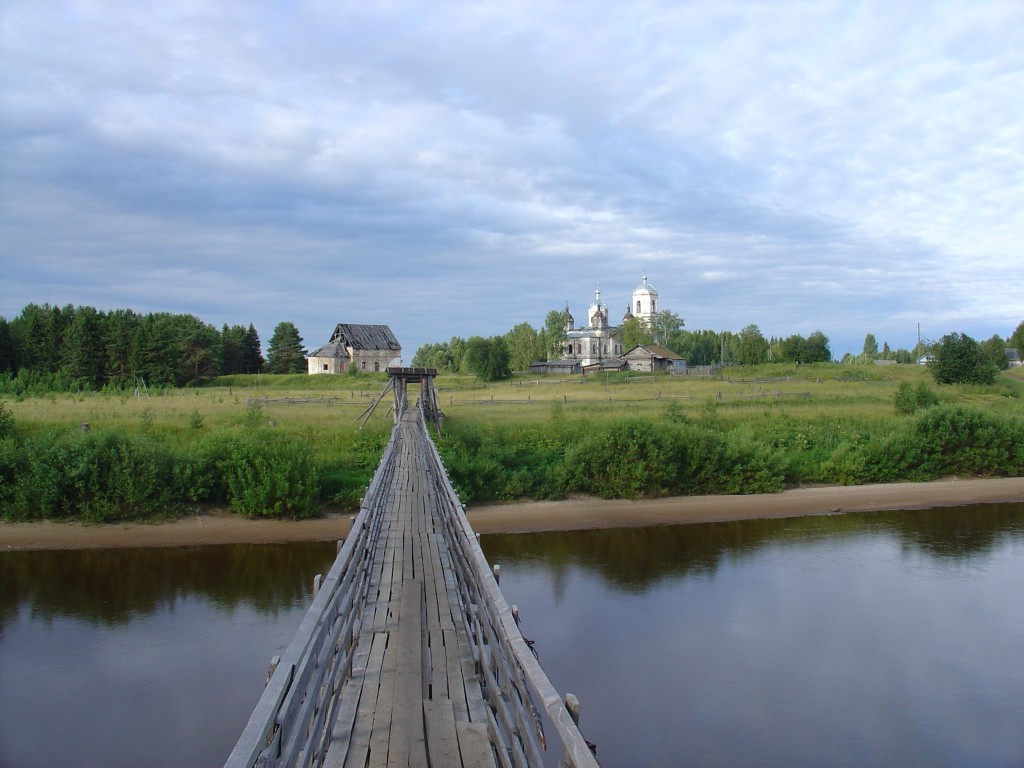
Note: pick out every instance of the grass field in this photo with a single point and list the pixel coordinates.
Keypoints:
(539, 435)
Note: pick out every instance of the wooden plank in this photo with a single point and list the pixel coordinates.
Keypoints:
(453, 674)
(438, 678)
(380, 728)
(407, 739)
(474, 746)
(442, 739)
(369, 690)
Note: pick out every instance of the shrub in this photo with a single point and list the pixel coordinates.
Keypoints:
(100, 476)
(634, 458)
(6, 420)
(910, 399)
(959, 359)
(948, 440)
(11, 469)
(270, 474)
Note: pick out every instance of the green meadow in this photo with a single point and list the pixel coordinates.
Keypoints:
(291, 446)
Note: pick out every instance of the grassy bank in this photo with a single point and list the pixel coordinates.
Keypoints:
(289, 446)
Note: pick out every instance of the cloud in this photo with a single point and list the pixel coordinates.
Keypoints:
(853, 167)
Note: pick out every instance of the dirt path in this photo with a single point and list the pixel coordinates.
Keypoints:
(223, 528)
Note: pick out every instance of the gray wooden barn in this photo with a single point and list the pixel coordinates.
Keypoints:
(356, 347)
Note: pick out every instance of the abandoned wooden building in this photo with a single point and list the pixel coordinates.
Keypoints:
(651, 357)
(356, 347)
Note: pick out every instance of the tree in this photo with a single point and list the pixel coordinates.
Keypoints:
(697, 347)
(995, 350)
(194, 350)
(664, 325)
(37, 334)
(959, 359)
(7, 361)
(870, 350)
(634, 332)
(437, 356)
(285, 354)
(119, 330)
(1017, 340)
(253, 351)
(555, 334)
(816, 349)
(232, 350)
(791, 349)
(522, 346)
(82, 353)
(753, 347)
(487, 359)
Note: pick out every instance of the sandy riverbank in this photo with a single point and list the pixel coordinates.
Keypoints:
(223, 528)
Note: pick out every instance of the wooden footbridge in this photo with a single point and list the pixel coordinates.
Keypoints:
(409, 654)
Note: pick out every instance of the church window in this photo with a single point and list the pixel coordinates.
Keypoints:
(654, 303)
(638, 306)
(364, 365)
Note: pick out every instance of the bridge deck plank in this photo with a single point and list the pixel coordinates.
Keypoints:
(414, 697)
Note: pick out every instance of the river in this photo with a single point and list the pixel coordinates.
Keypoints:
(862, 639)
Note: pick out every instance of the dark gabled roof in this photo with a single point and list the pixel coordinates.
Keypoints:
(656, 351)
(330, 349)
(365, 337)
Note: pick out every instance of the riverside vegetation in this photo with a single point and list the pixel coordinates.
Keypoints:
(288, 445)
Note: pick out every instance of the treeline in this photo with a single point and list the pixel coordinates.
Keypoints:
(496, 357)
(49, 348)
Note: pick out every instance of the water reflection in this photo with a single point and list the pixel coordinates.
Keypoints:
(113, 586)
(852, 640)
(149, 657)
(635, 559)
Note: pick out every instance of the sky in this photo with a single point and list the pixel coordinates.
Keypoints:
(456, 168)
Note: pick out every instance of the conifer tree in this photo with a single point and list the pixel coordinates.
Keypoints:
(285, 353)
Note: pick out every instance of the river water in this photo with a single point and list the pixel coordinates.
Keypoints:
(879, 639)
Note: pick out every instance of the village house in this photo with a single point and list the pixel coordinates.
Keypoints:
(651, 357)
(358, 348)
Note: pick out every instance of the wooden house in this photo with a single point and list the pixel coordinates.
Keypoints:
(651, 357)
(356, 347)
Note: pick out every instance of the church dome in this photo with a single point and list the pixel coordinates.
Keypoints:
(645, 286)
(628, 315)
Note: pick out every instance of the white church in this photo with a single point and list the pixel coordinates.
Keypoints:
(598, 345)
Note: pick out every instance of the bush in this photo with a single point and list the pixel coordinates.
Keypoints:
(100, 476)
(634, 458)
(948, 440)
(910, 399)
(959, 359)
(6, 420)
(270, 474)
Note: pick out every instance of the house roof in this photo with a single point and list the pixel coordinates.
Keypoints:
(565, 363)
(330, 349)
(655, 350)
(364, 337)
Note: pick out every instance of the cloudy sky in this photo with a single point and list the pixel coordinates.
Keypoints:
(455, 168)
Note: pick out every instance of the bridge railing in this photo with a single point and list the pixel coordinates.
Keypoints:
(514, 678)
(291, 724)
